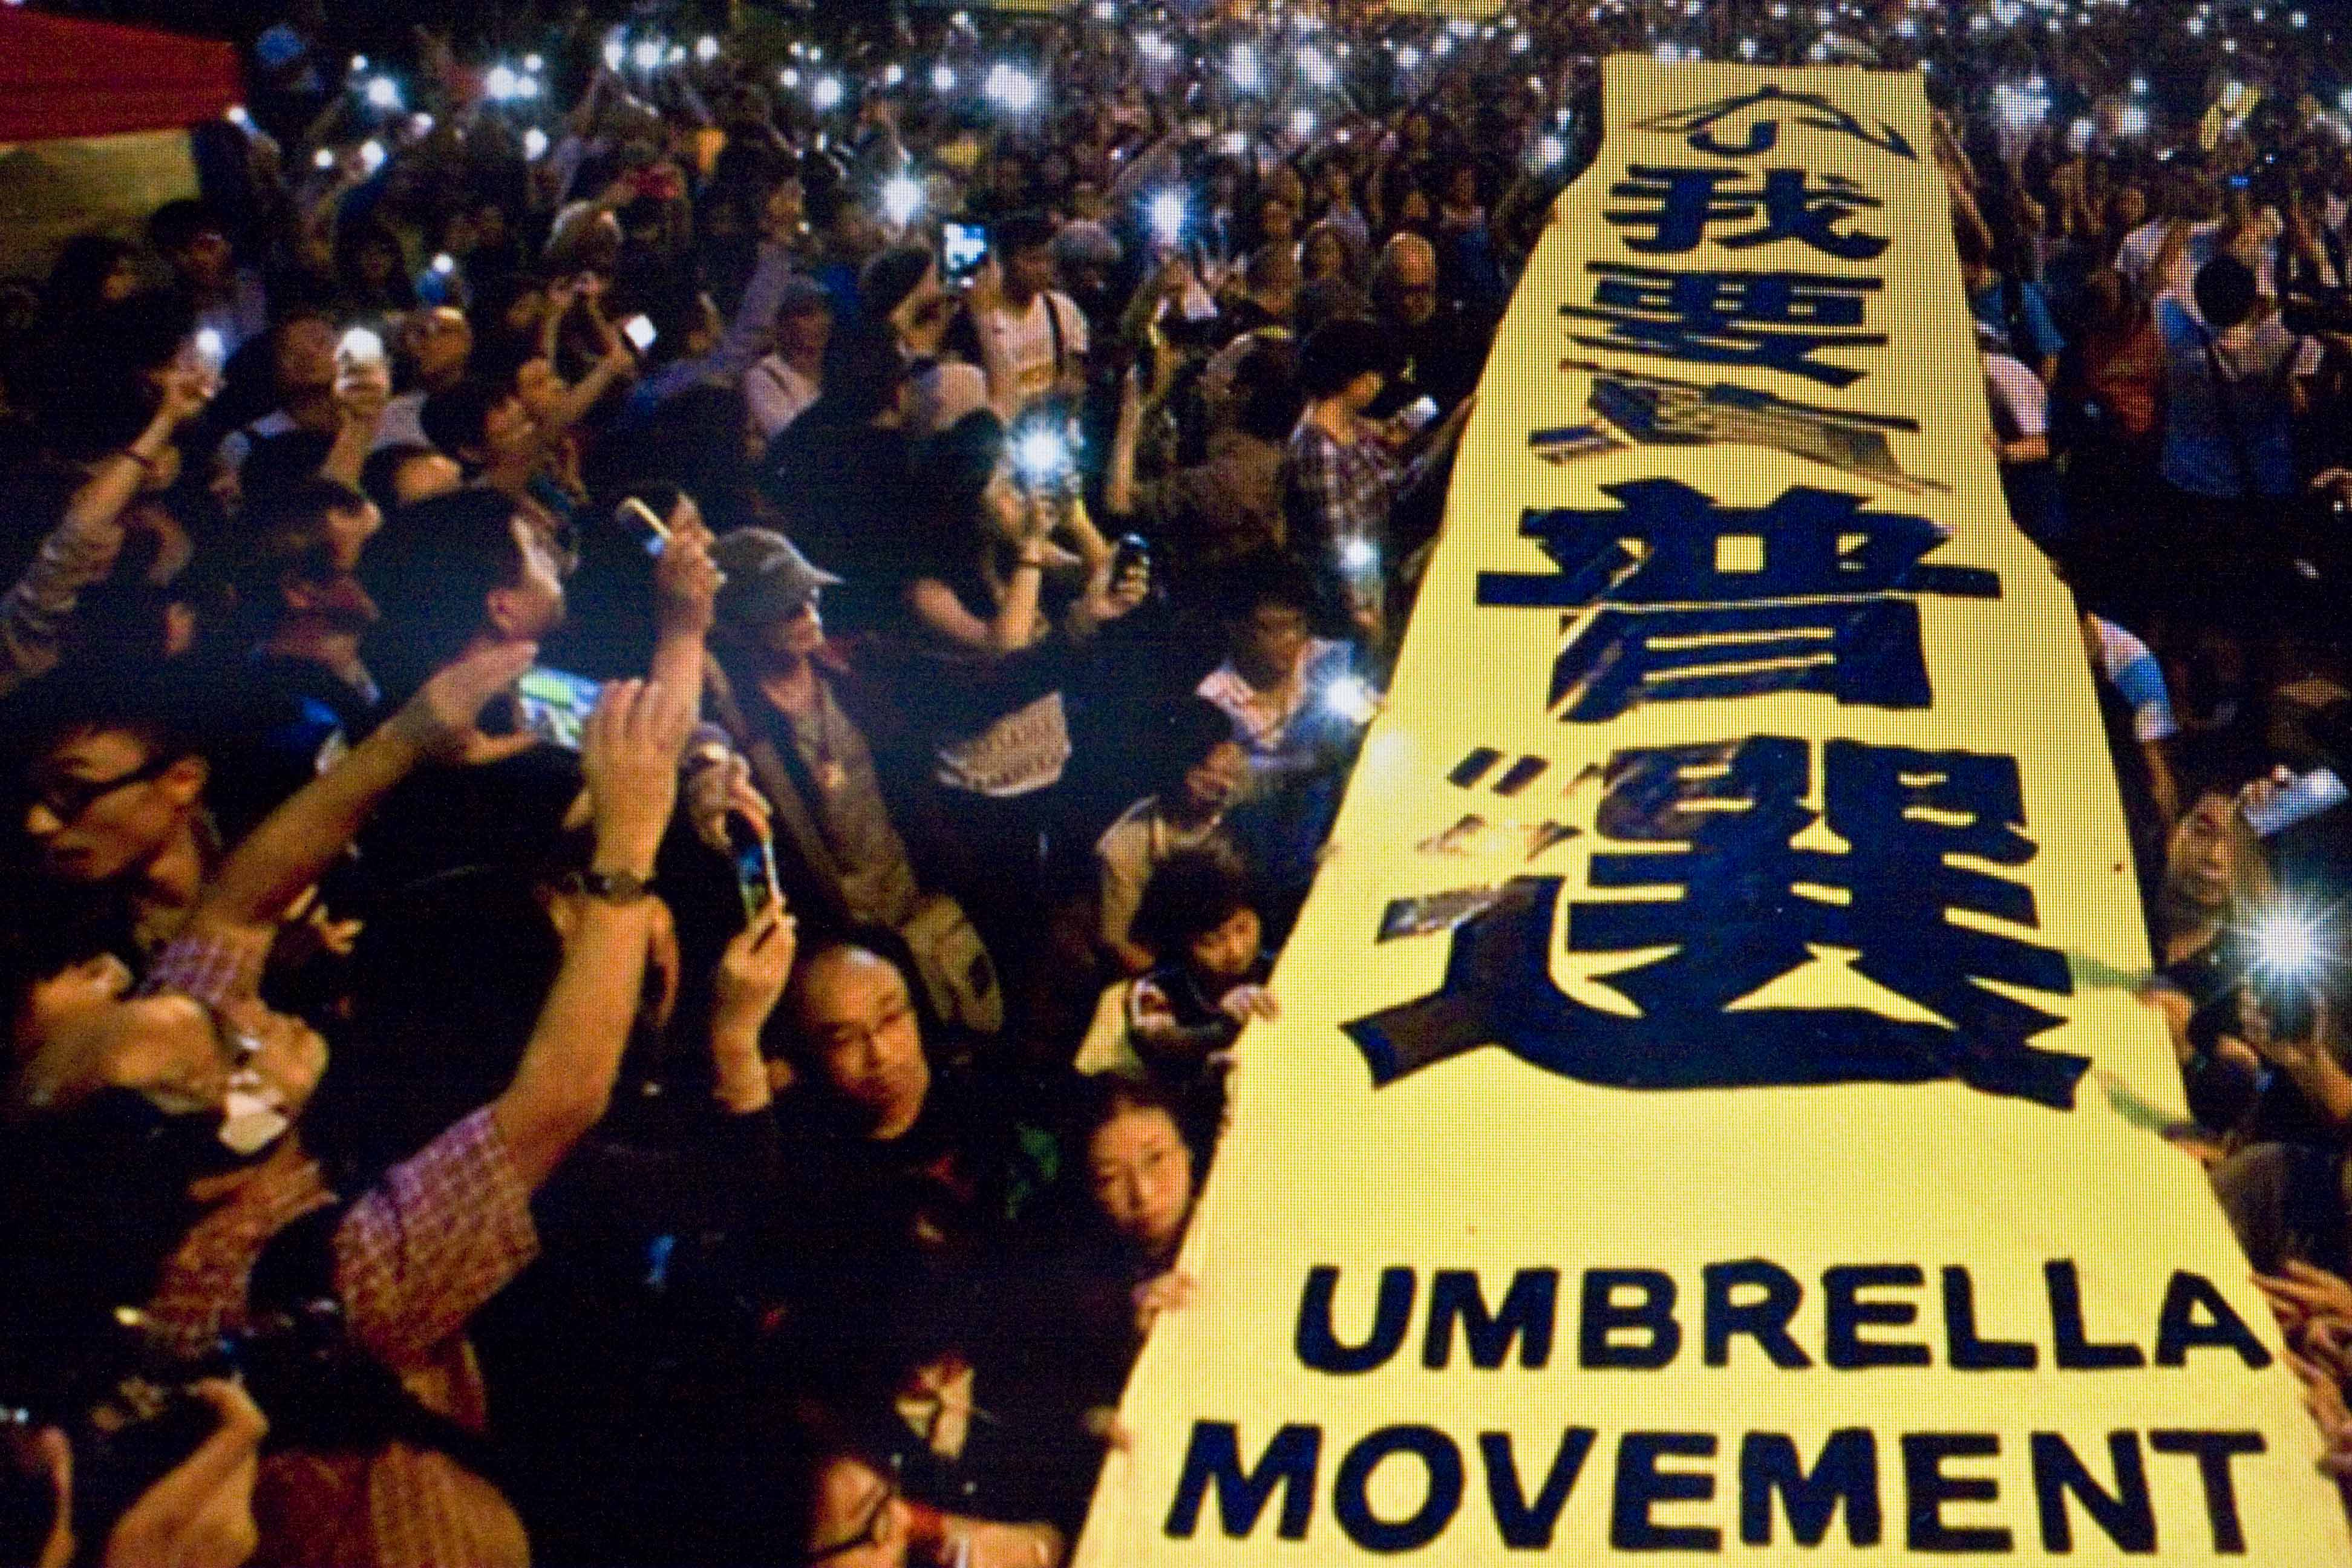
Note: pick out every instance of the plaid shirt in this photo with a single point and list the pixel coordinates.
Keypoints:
(1335, 493)
(414, 1257)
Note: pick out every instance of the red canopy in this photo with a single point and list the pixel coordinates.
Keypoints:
(62, 77)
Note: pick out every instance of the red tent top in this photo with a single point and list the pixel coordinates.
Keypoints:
(63, 77)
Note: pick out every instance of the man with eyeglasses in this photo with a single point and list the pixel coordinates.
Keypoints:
(113, 795)
(1436, 348)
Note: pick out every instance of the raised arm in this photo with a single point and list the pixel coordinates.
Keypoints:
(629, 751)
(296, 843)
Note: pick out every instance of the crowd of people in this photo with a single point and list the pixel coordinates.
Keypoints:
(665, 700)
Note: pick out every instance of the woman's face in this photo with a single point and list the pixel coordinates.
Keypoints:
(1003, 508)
(1142, 1175)
(1326, 257)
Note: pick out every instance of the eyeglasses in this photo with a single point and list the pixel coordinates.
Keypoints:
(66, 798)
(868, 1533)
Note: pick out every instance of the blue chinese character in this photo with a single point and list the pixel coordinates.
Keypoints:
(1679, 205)
(1699, 600)
(1698, 124)
(1711, 832)
(1774, 321)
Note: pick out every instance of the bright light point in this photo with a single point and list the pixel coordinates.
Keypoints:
(2140, 86)
(2287, 946)
(1315, 68)
(1302, 124)
(614, 53)
(533, 63)
(445, 263)
(2131, 120)
(1746, 48)
(1352, 698)
(236, 116)
(646, 55)
(1243, 67)
(1358, 554)
(962, 18)
(211, 347)
(1408, 57)
(420, 125)
(1666, 53)
(534, 143)
(324, 158)
(902, 197)
(1519, 44)
(1168, 211)
(1014, 90)
(1105, 11)
(2196, 25)
(892, 74)
(2297, 19)
(528, 88)
(943, 78)
(1041, 455)
(826, 94)
(383, 93)
(371, 155)
(789, 76)
(706, 48)
(501, 83)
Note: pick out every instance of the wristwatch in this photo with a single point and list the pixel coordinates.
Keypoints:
(612, 886)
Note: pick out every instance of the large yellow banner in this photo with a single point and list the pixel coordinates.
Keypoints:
(1709, 1113)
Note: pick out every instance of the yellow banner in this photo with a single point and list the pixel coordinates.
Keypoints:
(1709, 1111)
(51, 191)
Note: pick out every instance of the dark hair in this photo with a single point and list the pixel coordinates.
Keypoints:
(290, 533)
(176, 225)
(287, 460)
(1192, 893)
(1336, 353)
(82, 269)
(955, 469)
(153, 704)
(1267, 391)
(1264, 577)
(1109, 1095)
(2224, 290)
(1191, 728)
(431, 569)
(354, 236)
(455, 419)
(1028, 230)
(380, 474)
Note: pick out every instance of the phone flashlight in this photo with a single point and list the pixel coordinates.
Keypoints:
(639, 330)
(1168, 213)
(212, 350)
(360, 346)
(1042, 456)
(1351, 697)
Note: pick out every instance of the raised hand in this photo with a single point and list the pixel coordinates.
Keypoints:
(629, 749)
(442, 720)
(752, 973)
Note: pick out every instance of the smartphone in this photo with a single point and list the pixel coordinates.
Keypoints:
(639, 330)
(963, 246)
(212, 350)
(2300, 801)
(554, 704)
(755, 878)
(1133, 550)
(1417, 414)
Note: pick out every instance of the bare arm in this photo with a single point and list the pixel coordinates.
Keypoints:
(629, 752)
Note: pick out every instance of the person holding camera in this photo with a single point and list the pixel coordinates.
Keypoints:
(189, 1091)
(198, 1514)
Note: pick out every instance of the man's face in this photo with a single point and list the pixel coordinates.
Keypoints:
(1271, 640)
(859, 1520)
(2201, 859)
(1029, 273)
(860, 1023)
(1143, 1176)
(1210, 783)
(104, 807)
(508, 430)
(1416, 286)
(207, 259)
(348, 531)
(796, 636)
(804, 334)
(440, 343)
(306, 357)
(527, 610)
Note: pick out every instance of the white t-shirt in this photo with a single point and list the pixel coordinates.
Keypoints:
(2140, 247)
(2126, 664)
(2021, 404)
(1018, 349)
(774, 394)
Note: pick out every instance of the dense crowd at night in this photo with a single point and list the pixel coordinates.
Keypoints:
(666, 697)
